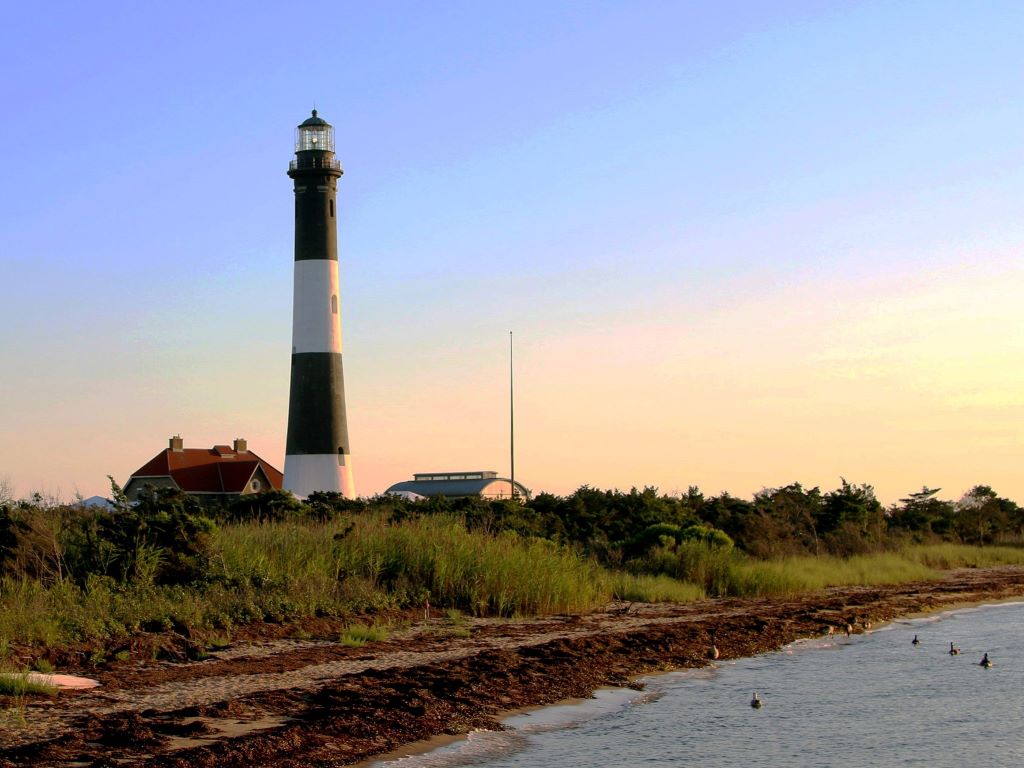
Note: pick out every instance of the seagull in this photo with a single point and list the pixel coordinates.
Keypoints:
(953, 651)
(985, 662)
(755, 702)
(915, 641)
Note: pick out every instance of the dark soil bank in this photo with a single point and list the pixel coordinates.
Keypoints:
(269, 701)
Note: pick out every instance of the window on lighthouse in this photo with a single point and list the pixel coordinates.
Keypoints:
(334, 304)
(332, 209)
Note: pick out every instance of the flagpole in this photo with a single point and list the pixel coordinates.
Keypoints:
(511, 417)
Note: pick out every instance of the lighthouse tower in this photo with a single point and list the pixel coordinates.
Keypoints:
(317, 456)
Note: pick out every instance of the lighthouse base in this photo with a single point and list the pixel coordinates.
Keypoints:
(305, 473)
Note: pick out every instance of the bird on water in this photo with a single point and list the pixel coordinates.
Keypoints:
(915, 641)
(755, 702)
(985, 662)
(953, 650)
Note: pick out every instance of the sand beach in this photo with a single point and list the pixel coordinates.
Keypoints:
(292, 696)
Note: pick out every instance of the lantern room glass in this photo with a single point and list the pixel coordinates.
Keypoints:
(314, 137)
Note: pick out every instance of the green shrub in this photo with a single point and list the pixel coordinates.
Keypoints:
(274, 506)
(10, 529)
(163, 538)
(705, 534)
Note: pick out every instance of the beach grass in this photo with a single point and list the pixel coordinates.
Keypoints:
(722, 572)
(475, 572)
(729, 573)
(804, 574)
(948, 556)
(277, 571)
(20, 684)
(367, 565)
(358, 635)
(645, 588)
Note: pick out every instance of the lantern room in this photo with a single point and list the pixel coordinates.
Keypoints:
(314, 133)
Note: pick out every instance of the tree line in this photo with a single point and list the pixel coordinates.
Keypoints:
(612, 525)
(164, 537)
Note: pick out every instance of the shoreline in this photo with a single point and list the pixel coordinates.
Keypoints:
(434, 743)
(290, 703)
(431, 743)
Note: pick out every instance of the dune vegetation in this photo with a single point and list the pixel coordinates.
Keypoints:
(166, 564)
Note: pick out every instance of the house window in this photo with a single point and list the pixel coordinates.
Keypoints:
(334, 304)
(255, 485)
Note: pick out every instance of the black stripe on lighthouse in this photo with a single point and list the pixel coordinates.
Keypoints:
(316, 235)
(316, 406)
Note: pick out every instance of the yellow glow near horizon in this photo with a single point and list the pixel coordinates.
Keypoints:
(898, 382)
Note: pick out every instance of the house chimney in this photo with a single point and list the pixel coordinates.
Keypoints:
(241, 446)
(177, 444)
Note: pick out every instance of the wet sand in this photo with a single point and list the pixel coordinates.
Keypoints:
(276, 700)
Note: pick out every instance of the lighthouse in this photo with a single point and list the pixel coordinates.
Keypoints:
(317, 454)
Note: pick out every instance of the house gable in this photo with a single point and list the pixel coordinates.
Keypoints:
(219, 471)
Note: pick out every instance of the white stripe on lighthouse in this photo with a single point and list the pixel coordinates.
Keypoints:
(316, 314)
(316, 328)
(305, 473)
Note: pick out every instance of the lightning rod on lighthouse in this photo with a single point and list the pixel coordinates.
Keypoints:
(317, 455)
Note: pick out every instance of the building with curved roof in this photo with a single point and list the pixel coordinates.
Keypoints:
(484, 483)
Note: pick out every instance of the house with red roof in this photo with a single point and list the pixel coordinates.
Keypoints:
(217, 474)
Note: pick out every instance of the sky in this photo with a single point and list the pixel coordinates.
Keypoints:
(739, 244)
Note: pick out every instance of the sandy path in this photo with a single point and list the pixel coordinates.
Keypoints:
(180, 694)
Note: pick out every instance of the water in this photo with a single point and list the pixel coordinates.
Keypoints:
(872, 699)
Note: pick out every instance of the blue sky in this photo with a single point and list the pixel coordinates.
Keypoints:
(740, 244)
